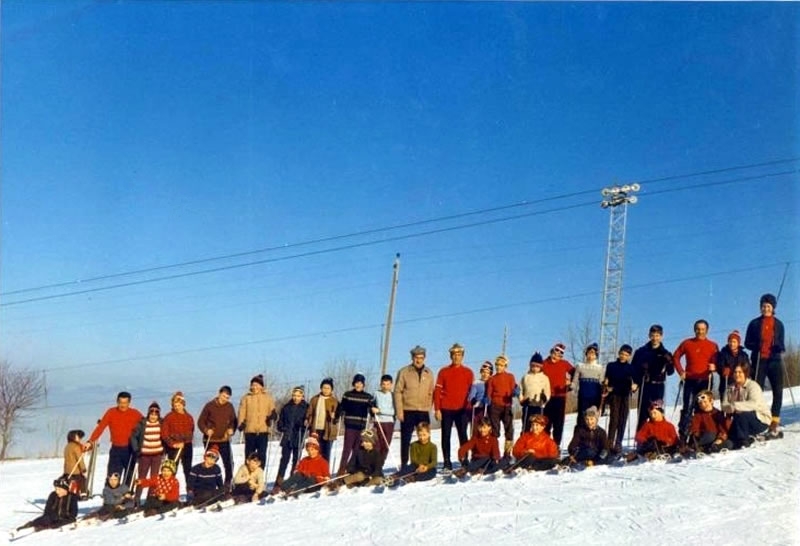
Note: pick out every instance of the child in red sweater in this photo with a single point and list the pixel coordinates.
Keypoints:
(501, 389)
(311, 471)
(485, 452)
(657, 436)
(164, 490)
(536, 450)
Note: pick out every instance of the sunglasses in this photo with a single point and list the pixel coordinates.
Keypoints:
(558, 351)
(703, 398)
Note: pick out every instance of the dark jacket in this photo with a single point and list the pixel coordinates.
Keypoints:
(355, 407)
(727, 360)
(652, 365)
(368, 462)
(584, 438)
(752, 339)
(619, 378)
(60, 510)
(291, 422)
(137, 436)
(203, 478)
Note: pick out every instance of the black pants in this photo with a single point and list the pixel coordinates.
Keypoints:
(532, 463)
(554, 410)
(618, 409)
(324, 445)
(744, 425)
(256, 442)
(529, 410)
(120, 461)
(459, 418)
(772, 369)
(185, 460)
(691, 388)
(288, 452)
(227, 459)
(154, 505)
(411, 473)
(502, 414)
(483, 466)
(298, 481)
(410, 420)
(650, 393)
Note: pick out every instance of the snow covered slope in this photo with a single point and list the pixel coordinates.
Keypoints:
(744, 497)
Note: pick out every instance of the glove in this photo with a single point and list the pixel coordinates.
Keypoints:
(726, 372)
(241, 426)
(543, 400)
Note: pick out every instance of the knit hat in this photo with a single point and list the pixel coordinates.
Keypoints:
(456, 348)
(258, 379)
(541, 419)
(359, 378)
(592, 347)
(418, 351)
(61, 483)
(312, 440)
(537, 358)
(591, 411)
(368, 436)
(213, 451)
(300, 389)
(154, 406)
(226, 389)
(178, 397)
(625, 348)
(770, 299)
(487, 365)
(658, 405)
(559, 347)
(169, 464)
(735, 335)
(656, 329)
(327, 381)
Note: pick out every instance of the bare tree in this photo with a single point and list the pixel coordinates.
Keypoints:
(57, 430)
(580, 334)
(342, 370)
(791, 360)
(20, 391)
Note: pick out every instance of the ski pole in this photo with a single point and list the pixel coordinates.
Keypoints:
(483, 468)
(677, 398)
(34, 504)
(386, 442)
(177, 455)
(320, 484)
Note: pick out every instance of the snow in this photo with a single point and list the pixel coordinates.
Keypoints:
(744, 497)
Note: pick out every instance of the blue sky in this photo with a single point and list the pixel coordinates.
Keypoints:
(143, 134)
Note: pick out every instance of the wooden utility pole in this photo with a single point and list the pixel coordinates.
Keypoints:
(388, 331)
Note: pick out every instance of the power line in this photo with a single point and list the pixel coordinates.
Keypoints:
(405, 321)
(374, 231)
(380, 241)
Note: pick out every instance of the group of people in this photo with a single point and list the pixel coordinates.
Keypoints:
(146, 451)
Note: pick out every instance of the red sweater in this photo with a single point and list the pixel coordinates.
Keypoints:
(767, 335)
(557, 373)
(316, 468)
(168, 487)
(699, 354)
(176, 428)
(119, 423)
(452, 388)
(500, 389)
(482, 447)
(543, 446)
(660, 431)
(712, 421)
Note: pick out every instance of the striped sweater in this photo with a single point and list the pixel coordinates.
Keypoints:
(355, 406)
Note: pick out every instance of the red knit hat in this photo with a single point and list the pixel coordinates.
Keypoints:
(214, 452)
(735, 334)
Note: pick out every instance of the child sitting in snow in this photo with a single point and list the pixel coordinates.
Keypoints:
(205, 479)
(657, 436)
(248, 483)
(364, 467)
(485, 452)
(588, 444)
(708, 432)
(117, 499)
(61, 508)
(311, 470)
(164, 491)
(535, 449)
(423, 458)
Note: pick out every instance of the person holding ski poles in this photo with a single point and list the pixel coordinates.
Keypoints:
(535, 391)
(764, 339)
(451, 400)
(218, 422)
(256, 413)
(701, 358)
(652, 364)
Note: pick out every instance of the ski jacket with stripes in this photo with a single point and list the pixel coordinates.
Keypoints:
(146, 438)
(589, 378)
(355, 406)
(452, 388)
(204, 478)
(699, 354)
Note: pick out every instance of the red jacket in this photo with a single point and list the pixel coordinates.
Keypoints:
(159, 485)
(542, 445)
(452, 388)
(120, 424)
(660, 431)
(500, 389)
(712, 421)
(557, 373)
(699, 354)
(482, 447)
(176, 428)
(316, 468)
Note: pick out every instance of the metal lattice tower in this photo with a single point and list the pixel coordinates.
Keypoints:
(615, 199)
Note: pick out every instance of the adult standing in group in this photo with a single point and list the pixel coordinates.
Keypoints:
(701, 359)
(652, 363)
(764, 339)
(120, 420)
(451, 400)
(560, 372)
(413, 397)
(218, 422)
(177, 431)
(256, 413)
